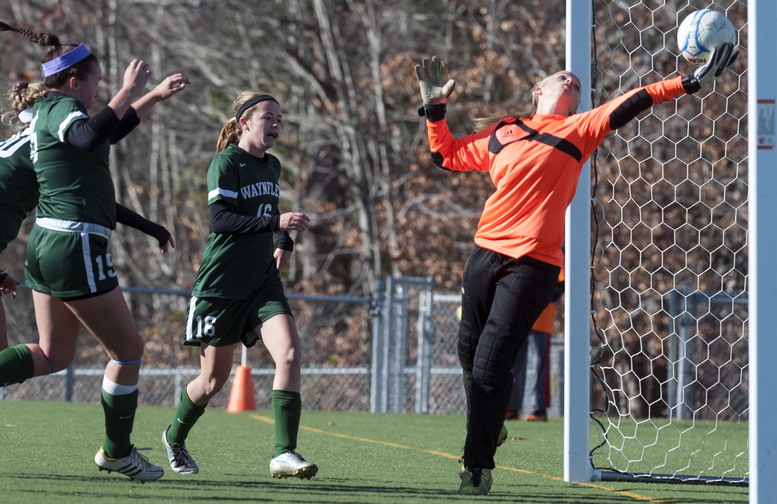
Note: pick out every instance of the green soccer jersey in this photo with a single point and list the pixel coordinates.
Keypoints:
(18, 186)
(75, 184)
(235, 265)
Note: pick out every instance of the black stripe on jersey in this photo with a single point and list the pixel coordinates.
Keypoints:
(630, 109)
(438, 160)
(565, 146)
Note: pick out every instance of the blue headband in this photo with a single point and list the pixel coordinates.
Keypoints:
(65, 61)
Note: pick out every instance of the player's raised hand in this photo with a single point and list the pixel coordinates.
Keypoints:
(136, 76)
(720, 60)
(171, 85)
(433, 80)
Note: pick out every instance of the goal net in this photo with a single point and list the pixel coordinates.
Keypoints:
(669, 395)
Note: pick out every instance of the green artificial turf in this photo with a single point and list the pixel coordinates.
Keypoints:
(47, 450)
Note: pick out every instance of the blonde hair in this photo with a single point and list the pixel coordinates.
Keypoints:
(23, 96)
(482, 123)
(230, 133)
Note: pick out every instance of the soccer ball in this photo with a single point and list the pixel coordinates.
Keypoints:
(701, 32)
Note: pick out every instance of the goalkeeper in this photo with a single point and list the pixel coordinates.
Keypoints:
(534, 162)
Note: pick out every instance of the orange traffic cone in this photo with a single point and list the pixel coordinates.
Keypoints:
(242, 396)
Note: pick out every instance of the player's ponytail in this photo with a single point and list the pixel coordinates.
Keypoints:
(42, 39)
(22, 97)
(79, 70)
(24, 94)
(230, 134)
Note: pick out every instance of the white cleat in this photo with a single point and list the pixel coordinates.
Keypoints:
(134, 465)
(292, 464)
(180, 460)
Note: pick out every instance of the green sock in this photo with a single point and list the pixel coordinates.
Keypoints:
(119, 419)
(287, 407)
(185, 417)
(16, 365)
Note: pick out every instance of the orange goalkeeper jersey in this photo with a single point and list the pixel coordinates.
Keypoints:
(535, 164)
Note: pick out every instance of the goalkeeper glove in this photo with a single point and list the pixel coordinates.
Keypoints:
(435, 87)
(433, 79)
(720, 60)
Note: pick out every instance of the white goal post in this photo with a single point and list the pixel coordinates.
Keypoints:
(762, 152)
(577, 267)
(662, 355)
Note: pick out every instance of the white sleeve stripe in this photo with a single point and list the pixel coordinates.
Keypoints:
(222, 192)
(63, 126)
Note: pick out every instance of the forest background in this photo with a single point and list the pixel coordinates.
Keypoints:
(355, 155)
(353, 148)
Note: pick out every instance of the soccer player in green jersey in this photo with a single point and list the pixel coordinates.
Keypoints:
(19, 188)
(68, 265)
(238, 295)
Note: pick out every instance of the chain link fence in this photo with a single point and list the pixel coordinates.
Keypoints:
(394, 351)
(335, 340)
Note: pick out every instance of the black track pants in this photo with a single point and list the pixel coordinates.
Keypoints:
(502, 298)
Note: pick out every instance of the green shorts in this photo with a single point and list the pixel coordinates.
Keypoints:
(68, 264)
(222, 322)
